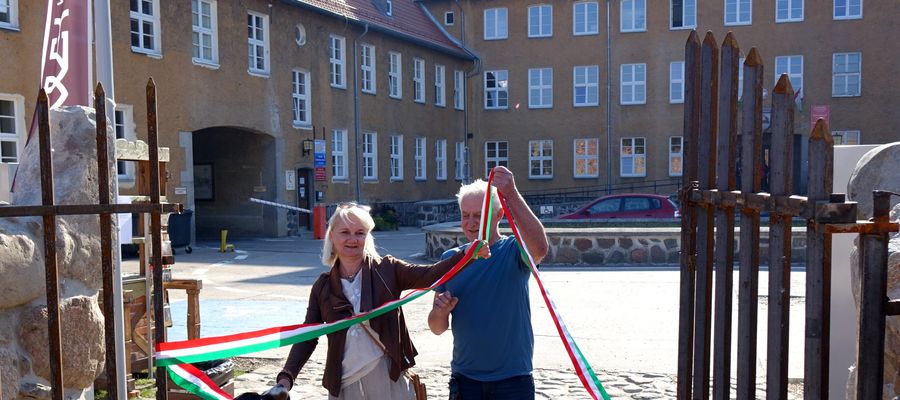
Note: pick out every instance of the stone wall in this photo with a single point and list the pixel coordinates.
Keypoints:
(600, 246)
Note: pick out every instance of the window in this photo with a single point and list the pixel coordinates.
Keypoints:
(419, 80)
(633, 156)
(258, 43)
(540, 21)
(338, 65)
(145, 26)
(788, 10)
(847, 9)
(738, 12)
(460, 163)
(676, 82)
(395, 69)
(676, 155)
(439, 92)
(449, 18)
(845, 74)
(585, 82)
(205, 40)
(540, 159)
(633, 17)
(440, 159)
(123, 125)
(540, 88)
(495, 23)
(585, 18)
(633, 84)
(741, 78)
(846, 137)
(793, 66)
(9, 14)
(459, 91)
(496, 95)
(496, 153)
(367, 68)
(587, 158)
(12, 127)
(370, 156)
(389, 7)
(300, 96)
(339, 154)
(420, 159)
(683, 14)
(397, 157)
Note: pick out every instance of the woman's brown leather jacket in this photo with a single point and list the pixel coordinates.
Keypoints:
(381, 282)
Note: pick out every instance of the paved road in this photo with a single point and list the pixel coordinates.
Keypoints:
(624, 318)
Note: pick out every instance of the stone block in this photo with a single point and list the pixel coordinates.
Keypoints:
(606, 243)
(638, 256)
(593, 257)
(625, 243)
(657, 255)
(567, 255)
(583, 244)
(671, 243)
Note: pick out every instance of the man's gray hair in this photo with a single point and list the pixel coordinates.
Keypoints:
(479, 188)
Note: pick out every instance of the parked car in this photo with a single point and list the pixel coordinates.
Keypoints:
(630, 205)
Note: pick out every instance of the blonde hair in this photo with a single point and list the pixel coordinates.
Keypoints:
(479, 188)
(344, 214)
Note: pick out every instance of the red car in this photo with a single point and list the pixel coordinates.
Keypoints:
(631, 205)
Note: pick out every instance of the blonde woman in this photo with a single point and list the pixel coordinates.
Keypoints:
(365, 361)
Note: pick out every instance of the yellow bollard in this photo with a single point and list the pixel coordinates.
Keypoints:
(223, 245)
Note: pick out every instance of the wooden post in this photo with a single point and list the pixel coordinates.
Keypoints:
(724, 249)
(751, 169)
(780, 185)
(873, 258)
(709, 85)
(155, 231)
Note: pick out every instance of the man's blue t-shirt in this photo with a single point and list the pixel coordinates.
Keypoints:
(492, 335)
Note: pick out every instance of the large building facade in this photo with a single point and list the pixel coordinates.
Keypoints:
(411, 97)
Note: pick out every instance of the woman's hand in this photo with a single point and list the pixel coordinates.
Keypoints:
(484, 251)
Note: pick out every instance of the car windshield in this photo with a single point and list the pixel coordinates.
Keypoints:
(605, 206)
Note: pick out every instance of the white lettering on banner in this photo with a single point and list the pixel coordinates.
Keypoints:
(59, 52)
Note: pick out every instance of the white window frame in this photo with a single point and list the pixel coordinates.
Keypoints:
(155, 46)
(301, 98)
(634, 86)
(18, 135)
(684, 6)
(440, 159)
(496, 23)
(419, 80)
(370, 156)
(586, 157)
(496, 156)
(460, 163)
(638, 22)
(635, 157)
(501, 85)
(368, 68)
(676, 82)
(339, 170)
(337, 54)
(440, 92)
(459, 90)
(590, 25)
(581, 79)
(846, 75)
(389, 8)
(741, 78)
(205, 34)
(421, 157)
(124, 128)
(787, 5)
(739, 10)
(841, 136)
(541, 157)
(544, 15)
(256, 45)
(795, 77)
(396, 158)
(676, 155)
(846, 5)
(540, 93)
(452, 20)
(395, 75)
(12, 10)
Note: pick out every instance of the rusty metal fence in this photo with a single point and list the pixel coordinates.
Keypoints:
(104, 209)
(710, 199)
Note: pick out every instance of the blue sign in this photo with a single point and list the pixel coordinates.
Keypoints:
(320, 160)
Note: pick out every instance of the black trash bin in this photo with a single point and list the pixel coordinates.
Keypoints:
(180, 230)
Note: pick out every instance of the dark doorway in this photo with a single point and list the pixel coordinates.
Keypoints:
(305, 190)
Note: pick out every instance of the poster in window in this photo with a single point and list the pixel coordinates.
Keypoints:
(204, 182)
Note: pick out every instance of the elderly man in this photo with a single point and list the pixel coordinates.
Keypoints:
(493, 343)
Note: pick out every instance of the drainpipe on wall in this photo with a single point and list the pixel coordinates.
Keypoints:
(476, 69)
(356, 116)
(608, 101)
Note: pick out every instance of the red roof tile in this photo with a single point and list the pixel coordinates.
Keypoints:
(407, 20)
